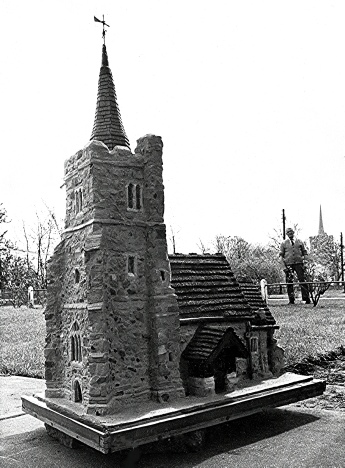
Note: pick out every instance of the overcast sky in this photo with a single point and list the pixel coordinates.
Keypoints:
(248, 96)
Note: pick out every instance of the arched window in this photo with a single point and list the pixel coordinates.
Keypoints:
(138, 197)
(76, 348)
(77, 275)
(131, 264)
(130, 196)
(72, 349)
(79, 199)
(134, 197)
(77, 208)
(79, 348)
(75, 343)
(254, 344)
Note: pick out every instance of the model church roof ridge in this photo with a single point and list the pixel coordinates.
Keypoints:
(108, 127)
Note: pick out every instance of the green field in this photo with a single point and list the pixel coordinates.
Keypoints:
(304, 331)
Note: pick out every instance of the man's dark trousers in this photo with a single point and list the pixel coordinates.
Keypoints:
(299, 269)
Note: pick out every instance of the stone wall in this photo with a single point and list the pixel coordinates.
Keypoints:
(66, 305)
(110, 283)
(102, 175)
(54, 366)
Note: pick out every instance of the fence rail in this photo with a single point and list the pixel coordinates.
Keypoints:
(306, 282)
(265, 286)
(20, 296)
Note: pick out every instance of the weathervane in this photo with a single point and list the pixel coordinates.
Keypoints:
(104, 24)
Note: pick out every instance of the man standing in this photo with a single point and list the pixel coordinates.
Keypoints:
(293, 255)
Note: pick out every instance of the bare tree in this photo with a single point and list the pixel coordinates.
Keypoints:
(276, 238)
(57, 224)
(316, 275)
(248, 261)
(16, 273)
(202, 247)
(40, 240)
(4, 243)
(173, 239)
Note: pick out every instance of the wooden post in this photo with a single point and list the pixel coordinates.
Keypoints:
(31, 301)
(342, 259)
(264, 293)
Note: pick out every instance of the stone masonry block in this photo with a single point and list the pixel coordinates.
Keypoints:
(103, 369)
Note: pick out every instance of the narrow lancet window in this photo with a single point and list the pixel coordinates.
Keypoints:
(130, 196)
(254, 345)
(131, 265)
(75, 348)
(79, 200)
(79, 348)
(77, 275)
(77, 209)
(138, 197)
(134, 197)
(75, 341)
(72, 349)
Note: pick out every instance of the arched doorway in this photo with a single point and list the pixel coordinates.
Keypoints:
(78, 396)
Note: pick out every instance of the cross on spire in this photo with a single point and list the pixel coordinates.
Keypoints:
(104, 24)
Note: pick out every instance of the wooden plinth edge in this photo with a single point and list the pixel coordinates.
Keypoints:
(112, 437)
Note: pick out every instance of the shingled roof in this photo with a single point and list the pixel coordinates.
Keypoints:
(206, 287)
(108, 127)
(209, 340)
(252, 294)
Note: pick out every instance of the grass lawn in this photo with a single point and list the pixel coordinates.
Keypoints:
(307, 331)
(22, 337)
(304, 331)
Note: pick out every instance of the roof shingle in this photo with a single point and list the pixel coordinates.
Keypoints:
(206, 287)
(252, 294)
(208, 341)
(108, 127)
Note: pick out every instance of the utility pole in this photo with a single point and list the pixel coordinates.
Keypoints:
(284, 219)
(284, 235)
(342, 259)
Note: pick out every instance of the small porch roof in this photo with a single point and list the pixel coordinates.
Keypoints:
(208, 342)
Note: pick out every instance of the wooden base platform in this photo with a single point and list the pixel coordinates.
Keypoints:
(150, 422)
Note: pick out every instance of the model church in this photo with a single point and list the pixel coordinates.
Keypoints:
(126, 322)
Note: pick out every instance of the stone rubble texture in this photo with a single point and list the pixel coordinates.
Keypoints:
(129, 324)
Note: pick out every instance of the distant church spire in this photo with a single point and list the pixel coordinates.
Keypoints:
(321, 230)
(108, 127)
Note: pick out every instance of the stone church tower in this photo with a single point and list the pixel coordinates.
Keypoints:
(322, 237)
(112, 317)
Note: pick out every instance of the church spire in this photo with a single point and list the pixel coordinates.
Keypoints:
(321, 230)
(108, 127)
